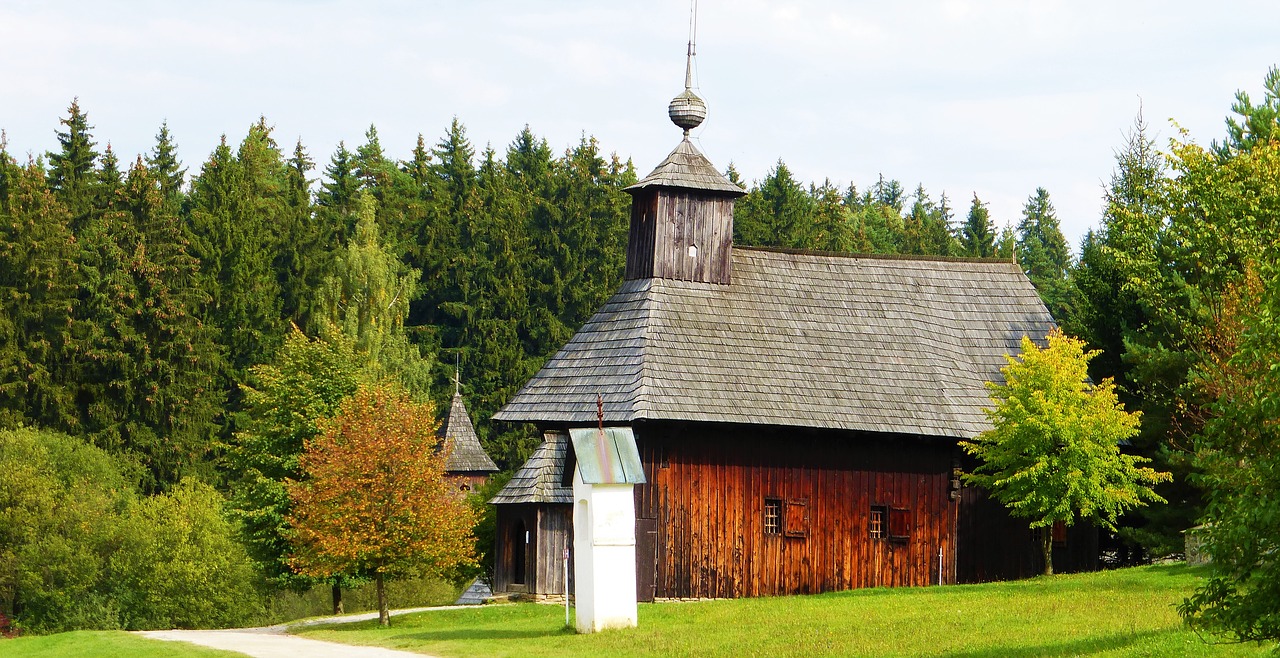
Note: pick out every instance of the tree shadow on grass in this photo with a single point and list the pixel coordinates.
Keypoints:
(1081, 647)
(444, 635)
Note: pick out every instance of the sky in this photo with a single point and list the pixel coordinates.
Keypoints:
(993, 98)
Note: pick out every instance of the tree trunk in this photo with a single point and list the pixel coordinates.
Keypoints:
(384, 617)
(337, 599)
(1046, 535)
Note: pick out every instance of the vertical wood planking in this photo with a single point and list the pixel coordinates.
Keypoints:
(665, 222)
(709, 504)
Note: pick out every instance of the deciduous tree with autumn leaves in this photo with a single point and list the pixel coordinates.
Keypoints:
(373, 497)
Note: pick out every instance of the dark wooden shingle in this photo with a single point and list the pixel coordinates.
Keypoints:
(807, 340)
(687, 167)
(465, 452)
(540, 479)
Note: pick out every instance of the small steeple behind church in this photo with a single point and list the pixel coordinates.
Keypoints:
(468, 463)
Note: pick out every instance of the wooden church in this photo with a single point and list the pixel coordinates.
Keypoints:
(797, 414)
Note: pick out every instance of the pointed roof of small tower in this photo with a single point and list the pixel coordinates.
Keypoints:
(466, 454)
(687, 167)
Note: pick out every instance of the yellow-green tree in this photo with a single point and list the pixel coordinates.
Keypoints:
(373, 497)
(1052, 454)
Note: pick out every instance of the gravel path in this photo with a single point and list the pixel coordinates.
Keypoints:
(275, 642)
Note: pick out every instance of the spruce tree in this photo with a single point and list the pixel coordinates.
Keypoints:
(1253, 124)
(775, 213)
(978, 235)
(438, 230)
(337, 192)
(72, 171)
(238, 203)
(913, 223)
(370, 164)
(1043, 253)
(165, 167)
(831, 229)
(37, 288)
(148, 380)
(939, 235)
(493, 354)
(419, 165)
(110, 188)
(307, 244)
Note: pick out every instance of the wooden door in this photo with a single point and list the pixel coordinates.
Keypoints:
(646, 557)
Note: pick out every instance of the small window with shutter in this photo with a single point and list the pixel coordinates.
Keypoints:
(772, 516)
(797, 521)
(899, 523)
(878, 522)
(1059, 533)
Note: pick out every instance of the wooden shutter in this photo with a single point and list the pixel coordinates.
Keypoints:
(1059, 533)
(796, 523)
(899, 523)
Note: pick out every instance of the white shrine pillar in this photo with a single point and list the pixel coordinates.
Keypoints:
(604, 527)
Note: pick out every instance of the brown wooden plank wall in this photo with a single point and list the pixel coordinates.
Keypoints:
(644, 211)
(992, 545)
(555, 533)
(709, 501)
(550, 528)
(665, 223)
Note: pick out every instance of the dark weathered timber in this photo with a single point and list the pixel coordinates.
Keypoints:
(682, 221)
(540, 560)
(994, 546)
(666, 223)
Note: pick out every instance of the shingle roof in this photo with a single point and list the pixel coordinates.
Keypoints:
(875, 344)
(687, 167)
(466, 454)
(538, 481)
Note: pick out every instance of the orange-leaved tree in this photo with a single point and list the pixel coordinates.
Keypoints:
(373, 497)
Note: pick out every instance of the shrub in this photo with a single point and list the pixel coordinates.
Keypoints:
(80, 550)
(179, 564)
(59, 500)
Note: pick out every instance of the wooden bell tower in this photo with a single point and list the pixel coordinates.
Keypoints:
(682, 212)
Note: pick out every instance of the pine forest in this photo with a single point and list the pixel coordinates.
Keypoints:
(181, 325)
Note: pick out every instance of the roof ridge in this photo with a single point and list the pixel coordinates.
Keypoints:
(640, 402)
(849, 254)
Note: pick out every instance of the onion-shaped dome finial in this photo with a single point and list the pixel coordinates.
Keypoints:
(687, 110)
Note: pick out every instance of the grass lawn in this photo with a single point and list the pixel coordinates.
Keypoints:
(103, 644)
(1128, 612)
